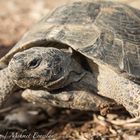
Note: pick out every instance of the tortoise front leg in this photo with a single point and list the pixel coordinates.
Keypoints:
(81, 100)
(7, 86)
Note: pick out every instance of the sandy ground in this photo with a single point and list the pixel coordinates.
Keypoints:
(19, 119)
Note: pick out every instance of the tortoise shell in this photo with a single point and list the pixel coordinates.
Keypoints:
(108, 33)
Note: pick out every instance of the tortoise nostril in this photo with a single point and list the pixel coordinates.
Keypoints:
(18, 56)
(17, 63)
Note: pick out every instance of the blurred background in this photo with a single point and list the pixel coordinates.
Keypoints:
(16, 17)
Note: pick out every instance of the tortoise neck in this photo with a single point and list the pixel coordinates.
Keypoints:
(74, 73)
(7, 85)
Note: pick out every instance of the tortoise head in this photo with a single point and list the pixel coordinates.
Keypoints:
(40, 67)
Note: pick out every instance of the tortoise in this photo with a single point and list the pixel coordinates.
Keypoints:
(83, 55)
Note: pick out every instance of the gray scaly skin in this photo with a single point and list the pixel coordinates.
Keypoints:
(122, 90)
(73, 95)
(106, 33)
(7, 86)
(52, 69)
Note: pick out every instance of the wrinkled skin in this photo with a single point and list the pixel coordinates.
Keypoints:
(55, 77)
(40, 68)
(7, 85)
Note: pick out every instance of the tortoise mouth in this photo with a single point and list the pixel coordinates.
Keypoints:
(40, 83)
(29, 82)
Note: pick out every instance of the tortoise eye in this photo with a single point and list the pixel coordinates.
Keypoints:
(34, 63)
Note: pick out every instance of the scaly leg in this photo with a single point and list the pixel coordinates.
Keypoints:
(81, 100)
(7, 86)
